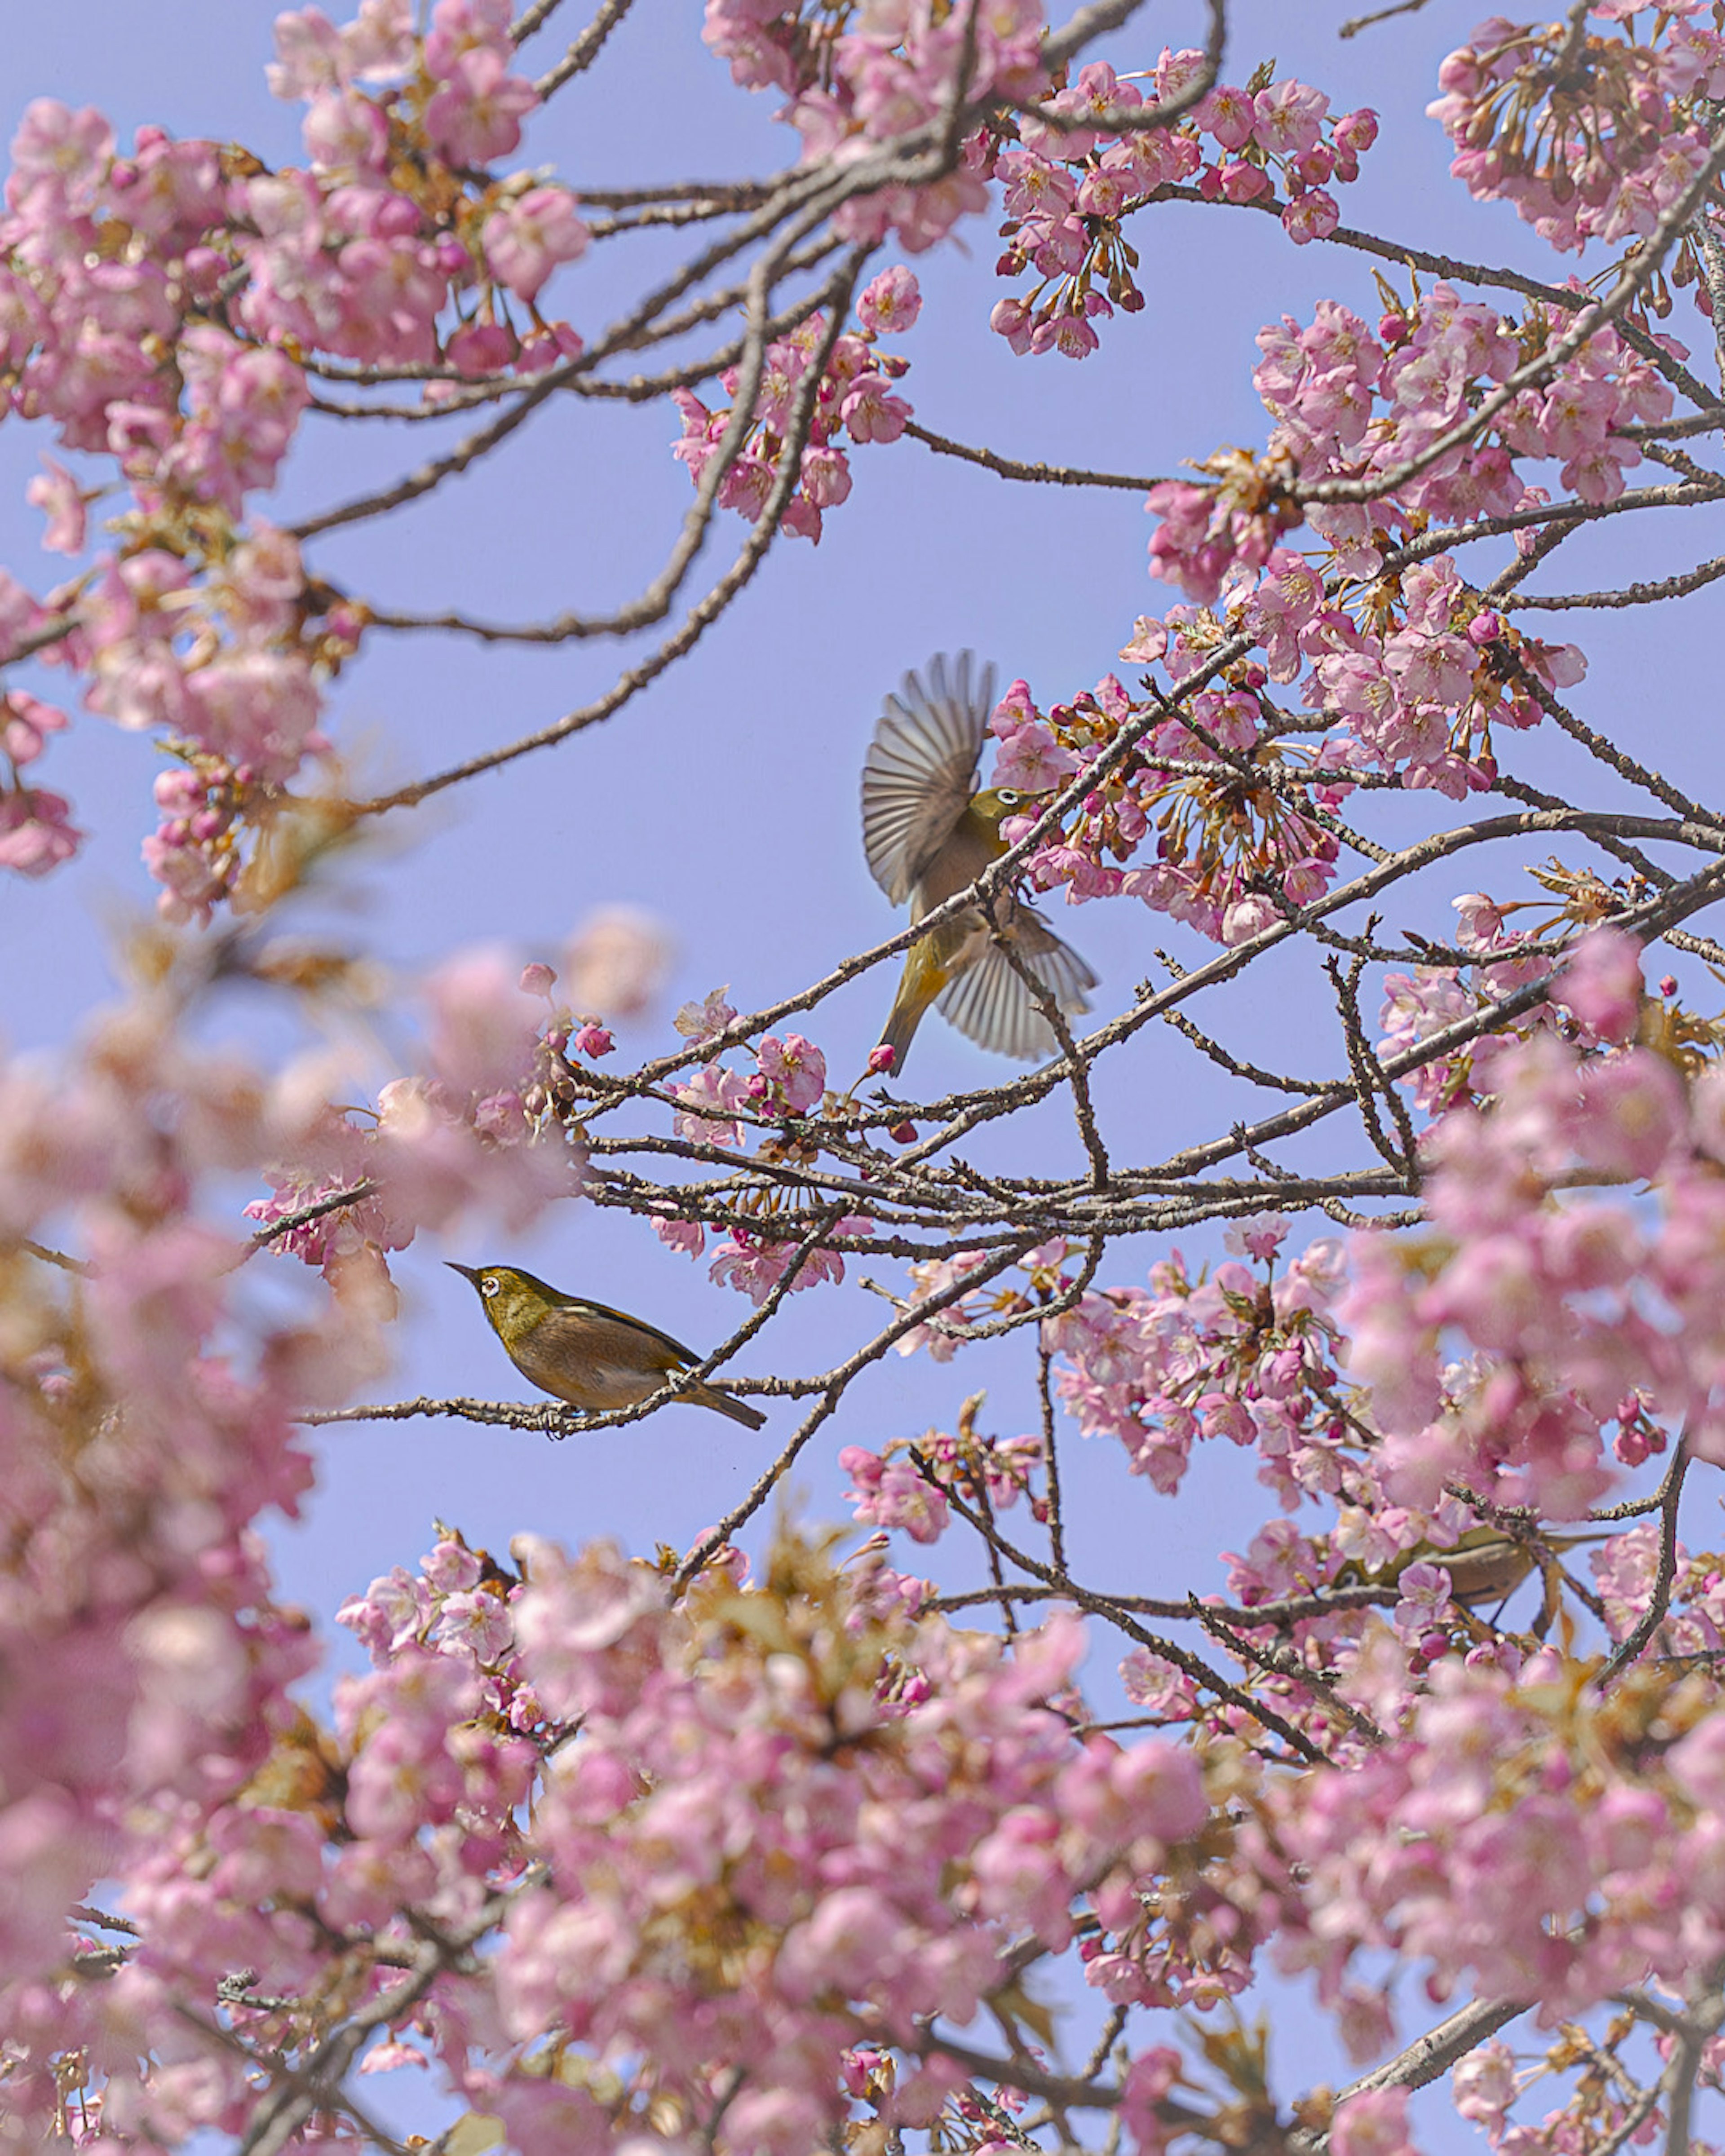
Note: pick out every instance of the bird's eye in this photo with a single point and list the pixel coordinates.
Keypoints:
(490, 1285)
(1009, 799)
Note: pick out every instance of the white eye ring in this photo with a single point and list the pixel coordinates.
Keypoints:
(490, 1285)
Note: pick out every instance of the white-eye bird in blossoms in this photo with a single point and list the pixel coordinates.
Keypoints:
(928, 834)
(1484, 1564)
(584, 1352)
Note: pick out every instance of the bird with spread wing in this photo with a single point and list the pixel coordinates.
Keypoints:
(927, 835)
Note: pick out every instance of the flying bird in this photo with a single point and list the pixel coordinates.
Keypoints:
(927, 834)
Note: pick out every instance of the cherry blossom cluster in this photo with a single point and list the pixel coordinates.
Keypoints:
(222, 654)
(36, 833)
(754, 1260)
(396, 216)
(1068, 187)
(1591, 134)
(110, 332)
(776, 1826)
(148, 1425)
(853, 397)
(1246, 1353)
(939, 1335)
(1345, 399)
(156, 308)
(302, 1870)
(1624, 1572)
(487, 1125)
(904, 1486)
(1602, 1854)
(1407, 669)
(1248, 822)
(749, 1783)
(1578, 1314)
(718, 1105)
(1350, 403)
(1253, 1355)
(1409, 677)
(1487, 2084)
(1598, 999)
(861, 79)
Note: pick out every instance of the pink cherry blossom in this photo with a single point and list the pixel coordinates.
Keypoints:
(1373, 2124)
(1602, 984)
(36, 832)
(527, 240)
(891, 303)
(892, 1494)
(476, 116)
(795, 1069)
(60, 498)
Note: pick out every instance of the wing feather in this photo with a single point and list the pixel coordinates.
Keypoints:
(920, 769)
(580, 1315)
(991, 1005)
(1057, 964)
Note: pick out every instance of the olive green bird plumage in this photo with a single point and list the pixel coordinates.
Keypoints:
(1484, 1565)
(927, 835)
(584, 1352)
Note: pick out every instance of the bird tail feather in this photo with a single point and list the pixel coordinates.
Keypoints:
(923, 978)
(710, 1396)
(901, 1023)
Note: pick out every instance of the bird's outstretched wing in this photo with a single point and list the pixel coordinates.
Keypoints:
(919, 769)
(991, 1005)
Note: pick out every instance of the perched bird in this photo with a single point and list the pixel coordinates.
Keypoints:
(1485, 1565)
(927, 834)
(584, 1353)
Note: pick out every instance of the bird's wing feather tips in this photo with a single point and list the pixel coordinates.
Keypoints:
(990, 1004)
(1057, 964)
(920, 767)
(587, 1313)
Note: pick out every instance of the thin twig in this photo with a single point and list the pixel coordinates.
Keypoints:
(1423, 2061)
(1016, 468)
(585, 49)
(1670, 1498)
(1112, 1612)
(1667, 587)
(1050, 1459)
(1355, 24)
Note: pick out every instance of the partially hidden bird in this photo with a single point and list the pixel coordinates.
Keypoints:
(1484, 1565)
(591, 1356)
(928, 834)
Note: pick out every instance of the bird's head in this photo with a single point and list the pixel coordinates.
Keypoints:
(995, 803)
(514, 1301)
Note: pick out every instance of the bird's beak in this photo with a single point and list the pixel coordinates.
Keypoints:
(467, 1272)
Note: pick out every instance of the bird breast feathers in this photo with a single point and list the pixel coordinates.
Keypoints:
(963, 856)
